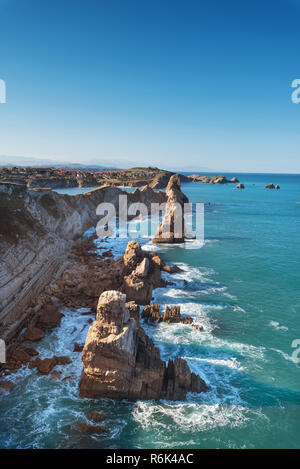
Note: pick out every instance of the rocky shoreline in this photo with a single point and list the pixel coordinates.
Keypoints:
(116, 338)
(81, 278)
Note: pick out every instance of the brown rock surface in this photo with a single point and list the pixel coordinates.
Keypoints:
(78, 347)
(171, 229)
(91, 429)
(151, 312)
(134, 311)
(120, 360)
(96, 416)
(49, 317)
(33, 334)
(46, 365)
(6, 385)
(142, 275)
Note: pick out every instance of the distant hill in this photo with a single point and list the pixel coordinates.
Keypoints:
(47, 163)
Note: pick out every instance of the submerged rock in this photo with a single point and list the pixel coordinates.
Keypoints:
(240, 186)
(6, 385)
(120, 361)
(91, 429)
(96, 416)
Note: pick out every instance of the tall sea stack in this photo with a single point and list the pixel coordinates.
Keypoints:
(171, 229)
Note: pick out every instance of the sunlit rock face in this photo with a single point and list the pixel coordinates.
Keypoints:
(171, 229)
(120, 361)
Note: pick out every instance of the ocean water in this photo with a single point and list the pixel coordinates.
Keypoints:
(242, 286)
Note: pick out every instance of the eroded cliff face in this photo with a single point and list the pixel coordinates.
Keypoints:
(38, 228)
(172, 229)
(120, 361)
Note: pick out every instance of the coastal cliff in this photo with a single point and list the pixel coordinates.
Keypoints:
(37, 232)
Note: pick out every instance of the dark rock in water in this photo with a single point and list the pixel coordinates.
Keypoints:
(121, 362)
(91, 429)
(6, 385)
(55, 375)
(240, 186)
(270, 186)
(171, 314)
(46, 365)
(33, 334)
(234, 179)
(179, 378)
(277, 186)
(18, 357)
(49, 317)
(95, 416)
(78, 347)
(197, 327)
(151, 312)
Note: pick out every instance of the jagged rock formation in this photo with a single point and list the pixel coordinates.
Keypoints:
(272, 186)
(240, 186)
(171, 315)
(140, 275)
(171, 229)
(151, 312)
(121, 362)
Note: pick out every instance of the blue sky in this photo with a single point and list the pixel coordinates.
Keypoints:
(182, 84)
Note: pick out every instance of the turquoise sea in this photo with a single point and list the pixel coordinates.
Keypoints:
(243, 286)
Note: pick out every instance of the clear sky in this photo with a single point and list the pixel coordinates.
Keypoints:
(173, 83)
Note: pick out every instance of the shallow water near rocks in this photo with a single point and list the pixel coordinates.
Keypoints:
(242, 286)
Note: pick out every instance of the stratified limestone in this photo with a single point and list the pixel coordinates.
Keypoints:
(171, 229)
(120, 361)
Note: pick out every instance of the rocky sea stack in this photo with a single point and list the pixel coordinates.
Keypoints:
(172, 229)
(121, 362)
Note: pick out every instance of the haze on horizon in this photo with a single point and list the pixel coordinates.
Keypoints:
(189, 85)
